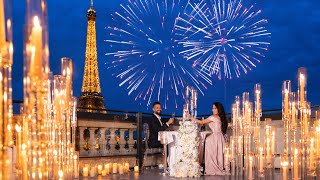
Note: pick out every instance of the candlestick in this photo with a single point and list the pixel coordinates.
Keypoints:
(257, 102)
(261, 161)
(234, 109)
(35, 40)
(114, 168)
(127, 167)
(75, 165)
(284, 173)
(302, 72)
(107, 168)
(232, 144)
(250, 177)
(99, 169)
(296, 164)
(120, 169)
(85, 172)
(2, 26)
(317, 134)
(226, 154)
(286, 89)
(104, 172)
(92, 172)
(136, 168)
(273, 140)
(312, 164)
(293, 105)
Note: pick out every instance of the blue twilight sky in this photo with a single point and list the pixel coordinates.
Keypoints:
(294, 24)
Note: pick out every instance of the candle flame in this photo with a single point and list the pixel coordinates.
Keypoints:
(9, 23)
(60, 173)
(284, 163)
(286, 91)
(18, 128)
(11, 48)
(24, 146)
(36, 21)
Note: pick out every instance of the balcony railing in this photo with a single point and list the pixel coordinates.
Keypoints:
(120, 133)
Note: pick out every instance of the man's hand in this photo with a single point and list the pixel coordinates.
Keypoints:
(170, 121)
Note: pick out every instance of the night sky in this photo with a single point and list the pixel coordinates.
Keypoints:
(294, 24)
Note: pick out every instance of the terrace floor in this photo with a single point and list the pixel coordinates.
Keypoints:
(155, 174)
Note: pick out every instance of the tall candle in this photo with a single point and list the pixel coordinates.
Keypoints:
(318, 141)
(107, 168)
(240, 144)
(136, 169)
(85, 171)
(36, 47)
(93, 172)
(126, 165)
(234, 116)
(99, 169)
(295, 164)
(312, 154)
(104, 172)
(273, 141)
(268, 149)
(286, 104)
(120, 169)
(293, 115)
(302, 82)
(75, 166)
(250, 167)
(284, 172)
(232, 147)
(257, 90)
(226, 157)
(60, 173)
(2, 26)
(261, 159)
(114, 168)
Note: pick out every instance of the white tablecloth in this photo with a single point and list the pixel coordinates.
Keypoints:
(169, 138)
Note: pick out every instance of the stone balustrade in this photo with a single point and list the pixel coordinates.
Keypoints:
(100, 138)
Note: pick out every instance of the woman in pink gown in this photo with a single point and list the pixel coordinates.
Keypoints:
(215, 142)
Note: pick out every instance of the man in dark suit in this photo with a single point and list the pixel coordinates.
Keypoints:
(156, 125)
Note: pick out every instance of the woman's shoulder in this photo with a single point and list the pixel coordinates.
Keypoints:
(214, 118)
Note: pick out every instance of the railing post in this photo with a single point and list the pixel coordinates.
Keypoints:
(139, 139)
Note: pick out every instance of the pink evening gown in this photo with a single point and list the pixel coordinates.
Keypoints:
(214, 149)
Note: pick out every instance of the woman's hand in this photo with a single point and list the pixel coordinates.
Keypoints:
(189, 116)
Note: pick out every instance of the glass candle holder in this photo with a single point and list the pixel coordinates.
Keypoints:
(296, 163)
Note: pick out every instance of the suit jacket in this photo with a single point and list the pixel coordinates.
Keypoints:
(154, 128)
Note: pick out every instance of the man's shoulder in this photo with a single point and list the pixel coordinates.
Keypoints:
(153, 116)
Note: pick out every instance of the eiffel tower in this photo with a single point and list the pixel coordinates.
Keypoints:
(91, 99)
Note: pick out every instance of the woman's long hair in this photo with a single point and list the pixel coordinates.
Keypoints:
(223, 118)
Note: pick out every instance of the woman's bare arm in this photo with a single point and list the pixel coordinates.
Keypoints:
(202, 122)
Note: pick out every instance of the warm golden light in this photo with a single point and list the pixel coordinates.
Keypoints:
(36, 22)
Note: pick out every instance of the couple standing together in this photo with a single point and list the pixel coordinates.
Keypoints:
(214, 143)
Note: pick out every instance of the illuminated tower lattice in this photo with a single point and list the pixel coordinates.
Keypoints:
(91, 97)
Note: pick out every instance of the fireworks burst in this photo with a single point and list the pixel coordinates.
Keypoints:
(145, 54)
(223, 36)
